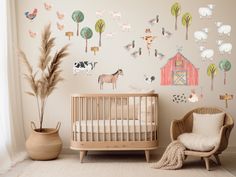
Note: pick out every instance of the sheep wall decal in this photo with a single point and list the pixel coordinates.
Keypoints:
(224, 47)
(206, 12)
(206, 53)
(201, 35)
(223, 29)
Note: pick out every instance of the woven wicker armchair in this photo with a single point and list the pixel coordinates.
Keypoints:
(185, 125)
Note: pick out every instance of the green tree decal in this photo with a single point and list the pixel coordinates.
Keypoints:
(86, 33)
(78, 17)
(225, 66)
(100, 27)
(186, 21)
(211, 72)
(175, 11)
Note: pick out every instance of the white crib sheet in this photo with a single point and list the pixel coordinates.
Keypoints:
(97, 126)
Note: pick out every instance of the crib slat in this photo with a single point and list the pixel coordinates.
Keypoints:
(86, 117)
(134, 138)
(80, 117)
(122, 129)
(110, 118)
(73, 123)
(91, 118)
(116, 118)
(127, 118)
(97, 115)
(155, 120)
(151, 117)
(139, 111)
(103, 115)
(76, 117)
(146, 118)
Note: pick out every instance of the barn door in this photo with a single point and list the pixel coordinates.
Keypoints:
(179, 78)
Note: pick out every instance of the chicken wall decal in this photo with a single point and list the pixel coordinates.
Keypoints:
(31, 15)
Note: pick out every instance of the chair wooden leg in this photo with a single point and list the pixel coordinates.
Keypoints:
(217, 159)
(206, 159)
(86, 153)
(147, 155)
(81, 155)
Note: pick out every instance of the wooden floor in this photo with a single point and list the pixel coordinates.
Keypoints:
(228, 162)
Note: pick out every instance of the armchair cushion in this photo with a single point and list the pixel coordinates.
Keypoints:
(208, 124)
(198, 142)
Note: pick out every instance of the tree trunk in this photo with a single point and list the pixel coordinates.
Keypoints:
(176, 18)
(224, 78)
(77, 29)
(86, 45)
(186, 31)
(100, 39)
(212, 80)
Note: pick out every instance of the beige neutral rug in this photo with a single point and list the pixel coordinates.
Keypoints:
(115, 166)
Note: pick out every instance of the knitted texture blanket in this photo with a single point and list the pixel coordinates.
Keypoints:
(172, 158)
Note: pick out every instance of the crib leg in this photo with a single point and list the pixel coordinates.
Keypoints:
(81, 155)
(147, 155)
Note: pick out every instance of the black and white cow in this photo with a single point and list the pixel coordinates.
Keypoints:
(83, 66)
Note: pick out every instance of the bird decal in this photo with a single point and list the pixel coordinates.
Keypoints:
(166, 33)
(159, 55)
(32, 34)
(31, 15)
(47, 6)
(154, 20)
(60, 26)
(130, 45)
(60, 15)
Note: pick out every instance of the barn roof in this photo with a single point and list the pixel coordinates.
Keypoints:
(176, 55)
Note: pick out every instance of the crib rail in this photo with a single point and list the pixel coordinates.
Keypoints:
(114, 117)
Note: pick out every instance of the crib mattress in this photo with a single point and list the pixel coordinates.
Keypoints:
(113, 126)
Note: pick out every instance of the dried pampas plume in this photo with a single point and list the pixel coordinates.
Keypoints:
(43, 82)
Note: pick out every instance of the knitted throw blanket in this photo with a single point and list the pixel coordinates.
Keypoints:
(172, 158)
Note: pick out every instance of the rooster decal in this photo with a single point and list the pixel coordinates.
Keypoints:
(31, 15)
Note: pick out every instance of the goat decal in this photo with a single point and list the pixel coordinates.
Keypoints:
(109, 78)
(83, 66)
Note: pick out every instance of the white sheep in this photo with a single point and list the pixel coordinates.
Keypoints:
(223, 29)
(206, 53)
(206, 11)
(201, 35)
(224, 47)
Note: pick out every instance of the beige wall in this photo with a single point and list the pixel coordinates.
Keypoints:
(113, 55)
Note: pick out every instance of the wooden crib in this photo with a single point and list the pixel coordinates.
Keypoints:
(110, 122)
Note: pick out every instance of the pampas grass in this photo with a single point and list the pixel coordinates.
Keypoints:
(44, 81)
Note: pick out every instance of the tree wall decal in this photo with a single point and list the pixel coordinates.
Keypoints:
(175, 11)
(211, 72)
(225, 66)
(86, 33)
(100, 27)
(78, 17)
(186, 21)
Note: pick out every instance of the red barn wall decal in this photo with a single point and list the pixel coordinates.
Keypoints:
(179, 71)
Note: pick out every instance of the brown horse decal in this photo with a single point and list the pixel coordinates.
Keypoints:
(109, 78)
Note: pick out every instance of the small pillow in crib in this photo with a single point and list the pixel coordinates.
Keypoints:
(208, 124)
(198, 142)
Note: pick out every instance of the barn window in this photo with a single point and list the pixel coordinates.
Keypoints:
(179, 63)
(180, 78)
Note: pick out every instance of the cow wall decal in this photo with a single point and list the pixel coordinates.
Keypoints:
(109, 78)
(83, 66)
